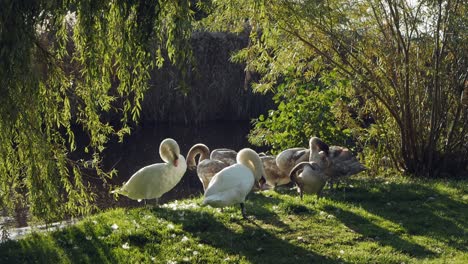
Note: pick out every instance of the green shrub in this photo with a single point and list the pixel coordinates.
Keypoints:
(304, 110)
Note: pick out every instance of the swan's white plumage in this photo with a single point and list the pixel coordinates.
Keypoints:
(155, 180)
(232, 184)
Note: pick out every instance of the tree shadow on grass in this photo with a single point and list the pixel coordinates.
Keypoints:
(69, 245)
(37, 249)
(381, 235)
(253, 242)
(255, 207)
(84, 246)
(418, 209)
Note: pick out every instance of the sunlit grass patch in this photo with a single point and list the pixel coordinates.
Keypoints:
(375, 220)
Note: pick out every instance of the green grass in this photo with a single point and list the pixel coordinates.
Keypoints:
(393, 220)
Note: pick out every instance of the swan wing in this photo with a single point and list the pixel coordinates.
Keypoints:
(288, 158)
(229, 186)
(344, 162)
(210, 167)
(207, 169)
(273, 175)
(312, 180)
(227, 156)
(154, 180)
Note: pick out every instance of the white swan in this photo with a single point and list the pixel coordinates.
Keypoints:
(289, 158)
(155, 180)
(309, 177)
(339, 162)
(273, 175)
(208, 166)
(232, 184)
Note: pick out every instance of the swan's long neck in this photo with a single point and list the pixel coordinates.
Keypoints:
(198, 149)
(316, 145)
(251, 160)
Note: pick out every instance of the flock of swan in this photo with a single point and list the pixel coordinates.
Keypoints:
(229, 176)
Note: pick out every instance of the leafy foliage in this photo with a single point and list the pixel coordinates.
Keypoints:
(405, 59)
(67, 66)
(303, 110)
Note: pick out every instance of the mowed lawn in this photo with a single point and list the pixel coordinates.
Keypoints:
(375, 220)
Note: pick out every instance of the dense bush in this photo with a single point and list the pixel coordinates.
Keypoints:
(303, 110)
(405, 60)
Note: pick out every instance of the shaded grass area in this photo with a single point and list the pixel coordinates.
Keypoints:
(374, 221)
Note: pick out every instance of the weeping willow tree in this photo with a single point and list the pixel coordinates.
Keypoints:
(405, 60)
(67, 64)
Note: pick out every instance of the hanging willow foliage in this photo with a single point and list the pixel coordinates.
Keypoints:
(67, 63)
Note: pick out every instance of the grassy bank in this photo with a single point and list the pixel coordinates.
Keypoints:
(374, 221)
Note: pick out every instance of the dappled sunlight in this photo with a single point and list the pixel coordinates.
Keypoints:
(371, 222)
(37, 249)
(373, 231)
(411, 209)
(370, 97)
(243, 237)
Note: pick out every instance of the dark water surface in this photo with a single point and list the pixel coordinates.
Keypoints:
(140, 149)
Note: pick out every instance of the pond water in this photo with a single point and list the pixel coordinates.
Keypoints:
(141, 148)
